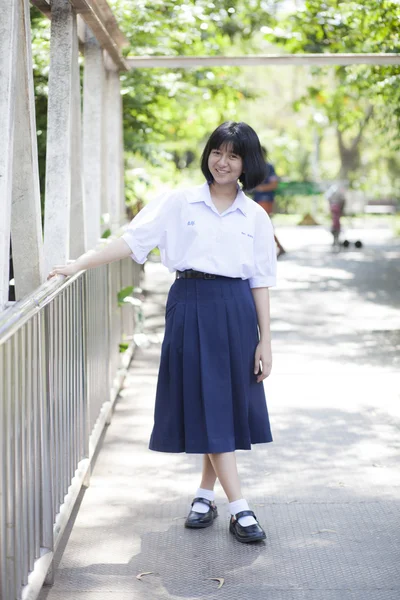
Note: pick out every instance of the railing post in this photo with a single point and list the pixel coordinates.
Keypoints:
(47, 538)
(3, 479)
(26, 222)
(114, 168)
(60, 133)
(9, 534)
(8, 52)
(85, 375)
(78, 223)
(93, 120)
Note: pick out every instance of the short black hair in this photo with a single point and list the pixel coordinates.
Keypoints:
(245, 143)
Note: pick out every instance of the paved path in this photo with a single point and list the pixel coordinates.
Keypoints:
(327, 490)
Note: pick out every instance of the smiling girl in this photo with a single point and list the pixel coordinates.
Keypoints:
(217, 347)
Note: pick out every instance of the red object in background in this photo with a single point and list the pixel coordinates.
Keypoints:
(336, 213)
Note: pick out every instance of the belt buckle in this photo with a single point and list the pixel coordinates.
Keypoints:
(209, 276)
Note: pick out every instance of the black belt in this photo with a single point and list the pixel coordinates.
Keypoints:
(192, 274)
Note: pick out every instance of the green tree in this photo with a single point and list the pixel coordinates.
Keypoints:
(357, 94)
(174, 107)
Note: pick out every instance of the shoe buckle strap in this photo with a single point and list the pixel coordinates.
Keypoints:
(204, 501)
(245, 513)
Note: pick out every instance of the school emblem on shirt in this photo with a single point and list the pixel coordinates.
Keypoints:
(191, 222)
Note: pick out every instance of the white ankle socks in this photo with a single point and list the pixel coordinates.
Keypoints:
(200, 507)
(238, 506)
(234, 507)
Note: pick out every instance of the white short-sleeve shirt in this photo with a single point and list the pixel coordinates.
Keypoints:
(191, 234)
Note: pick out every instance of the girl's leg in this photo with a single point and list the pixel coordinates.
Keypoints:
(206, 489)
(226, 469)
(209, 476)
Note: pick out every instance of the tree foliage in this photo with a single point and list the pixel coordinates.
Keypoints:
(166, 109)
(357, 92)
(168, 112)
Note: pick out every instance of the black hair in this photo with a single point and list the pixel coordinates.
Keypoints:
(245, 143)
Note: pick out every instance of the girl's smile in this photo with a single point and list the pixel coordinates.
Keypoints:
(225, 166)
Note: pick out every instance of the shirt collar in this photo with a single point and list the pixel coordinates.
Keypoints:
(204, 195)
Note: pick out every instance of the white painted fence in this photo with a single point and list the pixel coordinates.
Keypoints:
(61, 372)
(60, 365)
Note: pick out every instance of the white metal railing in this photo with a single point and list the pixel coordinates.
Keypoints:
(61, 371)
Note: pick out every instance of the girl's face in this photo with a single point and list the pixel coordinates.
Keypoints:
(225, 166)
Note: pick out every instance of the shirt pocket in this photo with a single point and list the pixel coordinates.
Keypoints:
(197, 235)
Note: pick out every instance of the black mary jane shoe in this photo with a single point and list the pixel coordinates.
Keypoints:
(251, 533)
(196, 520)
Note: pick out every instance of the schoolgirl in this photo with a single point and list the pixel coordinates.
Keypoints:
(217, 349)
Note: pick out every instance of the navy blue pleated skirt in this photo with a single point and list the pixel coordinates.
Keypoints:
(208, 399)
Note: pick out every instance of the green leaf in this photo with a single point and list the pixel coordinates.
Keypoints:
(122, 294)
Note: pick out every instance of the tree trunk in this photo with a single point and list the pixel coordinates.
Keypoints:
(350, 154)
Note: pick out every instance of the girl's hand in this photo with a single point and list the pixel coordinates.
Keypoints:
(263, 355)
(66, 270)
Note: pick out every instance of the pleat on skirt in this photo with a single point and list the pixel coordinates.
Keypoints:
(208, 399)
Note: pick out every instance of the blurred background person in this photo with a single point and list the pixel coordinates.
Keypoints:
(336, 196)
(264, 195)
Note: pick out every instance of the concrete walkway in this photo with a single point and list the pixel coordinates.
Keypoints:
(327, 490)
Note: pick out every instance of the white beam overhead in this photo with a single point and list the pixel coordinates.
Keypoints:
(111, 23)
(99, 18)
(98, 15)
(187, 62)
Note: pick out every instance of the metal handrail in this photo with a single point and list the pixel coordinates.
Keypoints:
(20, 312)
(61, 371)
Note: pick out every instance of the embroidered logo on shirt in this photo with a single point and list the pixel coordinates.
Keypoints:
(191, 222)
(248, 234)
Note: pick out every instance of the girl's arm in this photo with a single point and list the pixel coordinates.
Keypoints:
(115, 250)
(263, 351)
